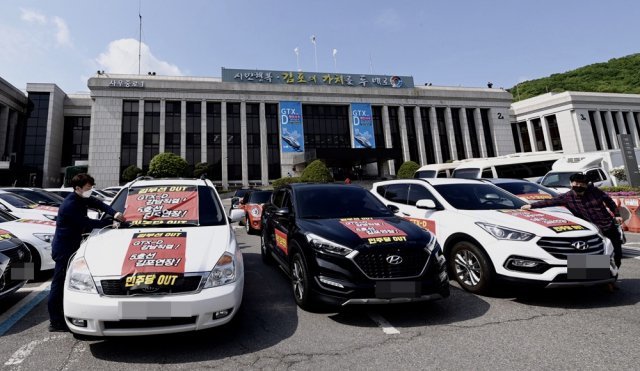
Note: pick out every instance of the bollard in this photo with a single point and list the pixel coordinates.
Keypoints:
(634, 221)
(624, 211)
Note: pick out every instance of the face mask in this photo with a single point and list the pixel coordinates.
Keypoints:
(87, 194)
(579, 189)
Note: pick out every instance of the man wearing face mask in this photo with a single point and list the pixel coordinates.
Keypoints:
(589, 203)
(72, 221)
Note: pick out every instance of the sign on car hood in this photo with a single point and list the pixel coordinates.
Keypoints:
(118, 252)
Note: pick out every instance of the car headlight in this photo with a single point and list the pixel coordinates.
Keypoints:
(46, 237)
(80, 278)
(504, 233)
(223, 273)
(327, 246)
(50, 217)
(255, 211)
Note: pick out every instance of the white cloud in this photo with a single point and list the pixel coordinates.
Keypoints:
(33, 16)
(121, 56)
(62, 34)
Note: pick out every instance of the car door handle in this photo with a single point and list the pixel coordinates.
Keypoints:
(403, 213)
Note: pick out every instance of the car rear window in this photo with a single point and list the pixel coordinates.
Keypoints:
(259, 197)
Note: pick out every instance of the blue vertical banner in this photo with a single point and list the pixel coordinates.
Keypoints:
(362, 126)
(291, 127)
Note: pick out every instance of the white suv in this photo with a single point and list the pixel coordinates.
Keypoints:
(486, 237)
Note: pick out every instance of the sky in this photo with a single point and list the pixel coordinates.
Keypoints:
(446, 43)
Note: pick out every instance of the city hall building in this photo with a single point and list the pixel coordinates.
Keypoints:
(254, 126)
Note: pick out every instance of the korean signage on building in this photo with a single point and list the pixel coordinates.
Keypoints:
(291, 128)
(316, 79)
(362, 126)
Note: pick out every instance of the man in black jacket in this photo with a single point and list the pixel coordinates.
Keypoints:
(71, 223)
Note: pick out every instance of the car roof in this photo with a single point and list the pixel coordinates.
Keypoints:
(166, 181)
(323, 185)
(507, 180)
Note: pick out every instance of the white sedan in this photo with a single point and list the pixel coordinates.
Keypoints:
(37, 236)
(174, 267)
(486, 237)
(21, 207)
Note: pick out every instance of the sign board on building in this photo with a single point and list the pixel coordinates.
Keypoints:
(291, 128)
(316, 79)
(629, 159)
(363, 135)
(126, 84)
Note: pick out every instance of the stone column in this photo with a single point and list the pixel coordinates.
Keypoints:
(417, 120)
(404, 140)
(387, 137)
(224, 159)
(546, 133)
(162, 124)
(453, 150)
(601, 131)
(634, 129)
(203, 131)
(532, 136)
(612, 131)
(183, 130)
(140, 148)
(482, 143)
(466, 138)
(435, 133)
(264, 149)
(243, 144)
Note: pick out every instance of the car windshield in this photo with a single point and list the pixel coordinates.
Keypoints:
(479, 196)
(170, 206)
(40, 197)
(259, 197)
(526, 188)
(17, 201)
(557, 180)
(6, 217)
(329, 202)
(425, 174)
(241, 192)
(469, 173)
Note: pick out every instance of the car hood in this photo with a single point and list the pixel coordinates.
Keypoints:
(107, 251)
(338, 230)
(25, 228)
(541, 222)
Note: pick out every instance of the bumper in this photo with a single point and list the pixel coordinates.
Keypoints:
(46, 261)
(151, 315)
(559, 282)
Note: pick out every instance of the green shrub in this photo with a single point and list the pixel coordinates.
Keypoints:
(284, 181)
(131, 172)
(167, 165)
(317, 172)
(407, 169)
(621, 189)
(201, 168)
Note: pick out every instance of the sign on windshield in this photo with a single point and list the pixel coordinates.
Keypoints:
(165, 205)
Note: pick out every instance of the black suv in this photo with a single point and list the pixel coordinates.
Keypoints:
(340, 245)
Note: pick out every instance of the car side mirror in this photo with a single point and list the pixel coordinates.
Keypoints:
(426, 204)
(236, 215)
(283, 212)
(393, 208)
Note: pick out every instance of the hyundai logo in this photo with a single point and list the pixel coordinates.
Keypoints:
(580, 245)
(394, 259)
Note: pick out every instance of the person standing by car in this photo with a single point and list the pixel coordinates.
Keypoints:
(589, 203)
(71, 223)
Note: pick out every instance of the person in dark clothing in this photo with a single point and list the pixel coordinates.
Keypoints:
(72, 221)
(590, 203)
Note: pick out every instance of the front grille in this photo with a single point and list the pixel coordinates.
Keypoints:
(560, 247)
(17, 257)
(373, 262)
(149, 323)
(183, 285)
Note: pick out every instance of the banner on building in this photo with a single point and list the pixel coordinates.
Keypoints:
(291, 128)
(363, 136)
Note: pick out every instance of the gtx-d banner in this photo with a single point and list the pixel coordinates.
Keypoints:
(291, 128)
(362, 126)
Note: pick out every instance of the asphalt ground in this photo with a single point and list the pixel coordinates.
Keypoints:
(587, 328)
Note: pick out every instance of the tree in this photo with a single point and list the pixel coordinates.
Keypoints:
(131, 172)
(201, 168)
(317, 171)
(167, 165)
(407, 170)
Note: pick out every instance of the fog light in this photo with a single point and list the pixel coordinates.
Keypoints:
(221, 313)
(524, 263)
(331, 283)
(78, 322)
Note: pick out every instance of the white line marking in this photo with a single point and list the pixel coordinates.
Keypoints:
(16, 307)
(384, 324)
(21, 354)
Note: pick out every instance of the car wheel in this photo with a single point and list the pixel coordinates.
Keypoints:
(266, 255)
(470, 267)
(300, 283)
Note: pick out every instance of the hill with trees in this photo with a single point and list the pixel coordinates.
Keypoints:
(618, 75)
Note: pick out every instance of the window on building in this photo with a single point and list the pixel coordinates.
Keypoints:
(442, 133)
(214, 146)
(473, 133)
(605, 126)
(75, 142)
(273, 141)
(428, 135)
(626, 123)
(614, 119)
(129, 135)
(172, 127)
(594, 130)
(396, 141)
(193, 135)
(523, 133)
(516, 136)
(554, 133)
(326, 126)
(253, 141)
(151, 137)
(412, 138)
(457, 133)
(488, 137)
(378, 130)
(538, 134)
(234, 142)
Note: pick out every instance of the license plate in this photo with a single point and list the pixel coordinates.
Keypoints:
(397, 289)
(152, 310)
(588, 267)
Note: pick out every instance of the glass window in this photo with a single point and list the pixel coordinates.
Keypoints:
(468, 173)
(253, 142)
(605, 126)
(486, 127)
(442, 133)
(593, 175)
(554, 133)
(259, 197)
(151, 138)
(417, 193)
(473, 134)
(273, 141)
(412, 139)
(234, 162)
(457, 132)
(193, 134)
(397, 193)
(487, 173)
(278, 198)
(594, 130)
(479, 196)
(214, 146)
(425, 174)
(428, 134)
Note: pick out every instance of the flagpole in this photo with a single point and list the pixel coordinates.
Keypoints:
(297, 51)
(315, 50)
(335, 64)
(139, 35)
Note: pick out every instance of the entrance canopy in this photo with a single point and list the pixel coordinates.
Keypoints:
(347, 157)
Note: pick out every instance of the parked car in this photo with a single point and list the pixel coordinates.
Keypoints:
(37, 195)
(252, 204)
(237, 196)
(525, 190)
(37, 235)
(14, 260)
(528, 166)
(21, 207)
(340, 245)
(64, 192)
(486, 237)
(174, 266)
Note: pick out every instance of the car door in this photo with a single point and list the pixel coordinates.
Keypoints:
(595, 177)
(423, 218)
(282, 226)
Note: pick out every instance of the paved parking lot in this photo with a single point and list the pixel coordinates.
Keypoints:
(561, 329)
